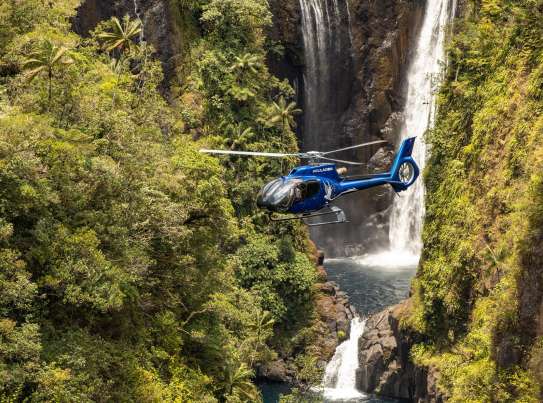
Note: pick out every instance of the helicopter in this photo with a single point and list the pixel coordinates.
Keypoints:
(308, 190)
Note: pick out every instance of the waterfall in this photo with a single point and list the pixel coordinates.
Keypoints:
(340, 375)
(327, 72)
(424, 73)
(138, 16)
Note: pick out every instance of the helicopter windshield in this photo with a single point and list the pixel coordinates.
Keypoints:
(279, 194)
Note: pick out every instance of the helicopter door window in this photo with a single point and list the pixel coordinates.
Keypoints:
(306, 190)
(312, 188)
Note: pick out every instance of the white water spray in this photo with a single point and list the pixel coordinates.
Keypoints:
(423, 75)
(340, 376)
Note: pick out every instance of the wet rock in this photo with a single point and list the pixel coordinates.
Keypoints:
(334, 309)
(274, 371)
(381, 160)
(385, 368)
(321, 273)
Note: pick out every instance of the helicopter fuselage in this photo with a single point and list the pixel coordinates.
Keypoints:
(310, 188)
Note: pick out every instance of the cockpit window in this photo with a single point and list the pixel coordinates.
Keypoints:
(278, 195)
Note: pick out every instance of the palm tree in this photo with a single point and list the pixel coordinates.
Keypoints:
(44, 60)
(246, 62)
(284, 113)
(240, 136)
(238, 382)
(262, 325)
(262, 328)
(121, 36)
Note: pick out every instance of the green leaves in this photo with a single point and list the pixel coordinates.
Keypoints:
(284, 286)
(246, 62)
(283, 113)
(471, 289)
(122, 33)
(119, 264)
(237, 23)
(45, 59)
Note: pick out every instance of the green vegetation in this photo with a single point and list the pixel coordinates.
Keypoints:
(132, 267)
(478, 292)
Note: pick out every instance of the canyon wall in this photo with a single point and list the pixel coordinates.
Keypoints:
(386, 368)
(363, 101)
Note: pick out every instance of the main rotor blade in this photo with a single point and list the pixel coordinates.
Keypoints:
(342, 161)
(356, 146)
(248, 153)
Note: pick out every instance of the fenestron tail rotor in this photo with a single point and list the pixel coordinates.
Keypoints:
(312, 156)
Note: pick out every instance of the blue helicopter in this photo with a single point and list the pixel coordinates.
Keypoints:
(308, 190)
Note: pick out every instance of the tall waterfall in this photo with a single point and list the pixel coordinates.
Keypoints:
(327, 73)
(424, 73)
(340, 376)
(138, 17)
(327, 97)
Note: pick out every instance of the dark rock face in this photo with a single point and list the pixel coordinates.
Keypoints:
(334, 309)
(369, 96)
(385, 368)
(159, 27)
(286, 30)
(275, 371)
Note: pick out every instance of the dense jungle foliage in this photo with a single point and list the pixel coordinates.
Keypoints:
(132, 267)
(478, 292)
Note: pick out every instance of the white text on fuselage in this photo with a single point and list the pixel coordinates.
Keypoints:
(316, 171)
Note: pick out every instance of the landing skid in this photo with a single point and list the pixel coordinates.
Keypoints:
(340, 217)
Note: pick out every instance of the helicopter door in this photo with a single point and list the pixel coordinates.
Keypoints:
(308, 189)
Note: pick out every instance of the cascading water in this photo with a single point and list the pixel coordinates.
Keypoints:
(328, 69)
(138, 16)
(408, 209)
(340, 376)
(423, 75)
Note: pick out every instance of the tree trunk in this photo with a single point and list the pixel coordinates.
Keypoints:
(49, 90)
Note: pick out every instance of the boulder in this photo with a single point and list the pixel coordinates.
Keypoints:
(274, 371)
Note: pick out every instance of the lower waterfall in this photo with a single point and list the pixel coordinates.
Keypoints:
(340, 376)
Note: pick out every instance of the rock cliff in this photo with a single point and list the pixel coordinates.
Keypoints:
(385, 366)
(160, 21)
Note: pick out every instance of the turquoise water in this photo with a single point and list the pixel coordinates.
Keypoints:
(371, 286)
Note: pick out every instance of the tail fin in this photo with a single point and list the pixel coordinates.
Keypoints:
(404, 169)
